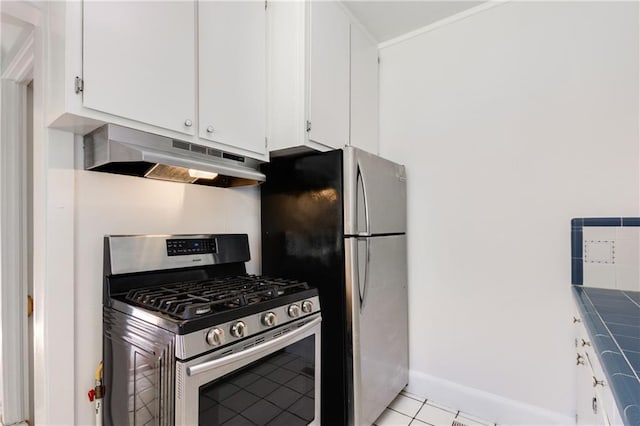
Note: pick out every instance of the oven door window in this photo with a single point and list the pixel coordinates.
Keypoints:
(275, 390)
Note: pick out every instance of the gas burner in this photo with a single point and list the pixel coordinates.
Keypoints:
(188, 300)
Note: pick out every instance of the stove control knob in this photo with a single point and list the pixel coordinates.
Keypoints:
(307, 306)
(215, 337)
(269, 319)
(239, 329)
(294, 311)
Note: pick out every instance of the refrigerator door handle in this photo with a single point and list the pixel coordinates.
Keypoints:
(363, 281)
(366, 275)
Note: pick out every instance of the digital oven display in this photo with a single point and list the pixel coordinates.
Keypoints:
(182, 247)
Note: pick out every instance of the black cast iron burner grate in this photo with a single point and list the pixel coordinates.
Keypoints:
(187, 300)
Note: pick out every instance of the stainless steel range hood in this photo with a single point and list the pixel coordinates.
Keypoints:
(116, 149)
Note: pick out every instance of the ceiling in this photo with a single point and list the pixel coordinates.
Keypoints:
(389, 19)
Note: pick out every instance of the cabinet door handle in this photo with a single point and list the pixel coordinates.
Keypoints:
(597, 382)
(575, 320)
(188, 123)
(585, 343)
(210, 129)
(579, 360)
(594, 405)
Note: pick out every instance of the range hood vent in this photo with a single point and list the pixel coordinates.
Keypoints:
(120, 150)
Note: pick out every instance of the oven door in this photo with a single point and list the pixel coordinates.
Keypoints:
(273, 378)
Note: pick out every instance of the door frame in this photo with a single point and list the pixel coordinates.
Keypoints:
(15, 390)
(55, 395)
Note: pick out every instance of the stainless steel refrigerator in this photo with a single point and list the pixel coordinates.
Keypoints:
(338, 220)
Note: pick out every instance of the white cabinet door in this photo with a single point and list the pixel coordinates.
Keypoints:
(329, 74)
(594, 401)
(232, 73)
(364, 91)
(588, 405)
(139, 61)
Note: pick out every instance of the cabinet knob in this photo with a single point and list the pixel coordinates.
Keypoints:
(597, 382)
(585, 343)
(579, 360)
(210, 129)
(188, 123)
(594, 405)
(576, 320)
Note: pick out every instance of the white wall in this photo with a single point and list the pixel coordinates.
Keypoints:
(511, 122)
(114, 204)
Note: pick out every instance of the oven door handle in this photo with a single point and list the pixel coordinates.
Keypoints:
(216, 363)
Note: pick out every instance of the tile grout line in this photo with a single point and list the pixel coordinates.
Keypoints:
(399, 412)
(423, 403)
(416, 415)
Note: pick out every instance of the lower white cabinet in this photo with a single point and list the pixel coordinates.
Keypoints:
(595, 404)
(589, 407)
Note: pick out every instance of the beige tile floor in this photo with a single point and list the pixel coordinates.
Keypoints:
(408, 409)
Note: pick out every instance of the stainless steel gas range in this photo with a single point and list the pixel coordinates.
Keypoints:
(191, 338)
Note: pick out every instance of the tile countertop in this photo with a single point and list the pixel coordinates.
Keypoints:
(612, 319)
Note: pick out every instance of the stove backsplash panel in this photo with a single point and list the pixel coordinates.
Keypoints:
(605, 252)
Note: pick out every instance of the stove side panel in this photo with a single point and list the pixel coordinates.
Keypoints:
(139, 371)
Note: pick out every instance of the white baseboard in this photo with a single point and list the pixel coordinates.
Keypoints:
(481, 404)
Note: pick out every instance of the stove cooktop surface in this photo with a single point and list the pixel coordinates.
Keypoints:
(187, 283)
(189, 300)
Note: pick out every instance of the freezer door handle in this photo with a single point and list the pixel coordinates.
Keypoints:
(362, 203)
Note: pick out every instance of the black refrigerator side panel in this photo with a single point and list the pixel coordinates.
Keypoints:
(302, 238)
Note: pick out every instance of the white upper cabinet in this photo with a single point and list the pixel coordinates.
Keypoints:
(225, 74)
(364, 91)
(328, 75)
(194, 71)
(139, 61)
(323, 78)
(232, 73)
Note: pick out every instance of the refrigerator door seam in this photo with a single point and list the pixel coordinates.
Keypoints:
(362, 235)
